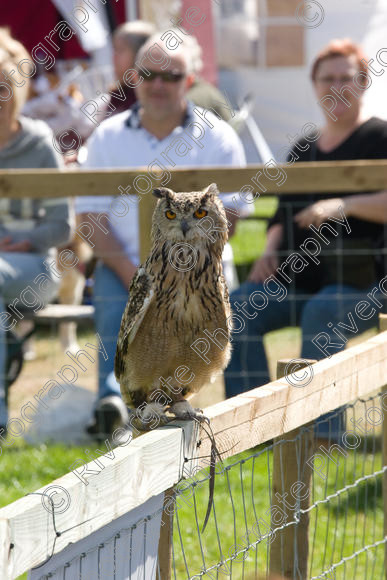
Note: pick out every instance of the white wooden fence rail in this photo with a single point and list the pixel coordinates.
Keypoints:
(153, 463)
(124, 549)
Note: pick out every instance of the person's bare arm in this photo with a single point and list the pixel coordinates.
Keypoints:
(110, 251)
(267, 264)
(370, 207)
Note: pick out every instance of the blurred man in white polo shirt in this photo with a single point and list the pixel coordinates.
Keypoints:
(161, 130)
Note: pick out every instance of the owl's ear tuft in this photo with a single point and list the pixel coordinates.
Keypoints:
(210, 192)
(212, 189)
(158, 193)
(161, 192)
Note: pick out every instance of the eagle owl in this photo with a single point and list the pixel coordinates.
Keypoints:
(176, 298)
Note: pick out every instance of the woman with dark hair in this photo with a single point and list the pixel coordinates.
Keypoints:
(319, 294)
(30, 229)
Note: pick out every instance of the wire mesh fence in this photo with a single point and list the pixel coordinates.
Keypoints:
(126, 548)
(265, 498)
(343, 512)
(342, 509)
(345, 515)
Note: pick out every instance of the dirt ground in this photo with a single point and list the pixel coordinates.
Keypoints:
(50, 358)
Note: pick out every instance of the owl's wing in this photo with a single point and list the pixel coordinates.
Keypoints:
(226, 297)
(224, 287)
(140, 296)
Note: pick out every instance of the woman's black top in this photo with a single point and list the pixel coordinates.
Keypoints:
(348, 252)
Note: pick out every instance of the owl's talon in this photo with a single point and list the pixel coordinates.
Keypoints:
(182, 410)
(164, 419)
(150, 418)
(200, 417)
(142, 425)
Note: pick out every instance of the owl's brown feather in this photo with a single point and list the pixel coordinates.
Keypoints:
(169, 308)
(140, 293)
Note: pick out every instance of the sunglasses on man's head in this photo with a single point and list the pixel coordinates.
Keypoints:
(167, 76)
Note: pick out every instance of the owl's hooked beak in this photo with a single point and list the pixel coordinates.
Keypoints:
(184, 226)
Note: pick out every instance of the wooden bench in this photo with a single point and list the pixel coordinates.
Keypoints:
(53, 315)
(56, 313)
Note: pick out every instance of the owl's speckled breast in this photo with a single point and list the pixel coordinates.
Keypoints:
(190, 299)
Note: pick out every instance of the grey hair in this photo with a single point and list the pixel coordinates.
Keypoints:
(196, 53)
(189, 49)
(135, 33)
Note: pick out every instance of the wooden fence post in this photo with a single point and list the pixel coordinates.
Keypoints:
(382, 328)
(289, 549)
(189, 450)
(166, 535)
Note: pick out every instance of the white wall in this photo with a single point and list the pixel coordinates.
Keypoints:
(284, 99)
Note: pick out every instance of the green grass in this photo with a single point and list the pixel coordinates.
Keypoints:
(344, 525)
(248, 241)
(265, 206)
(26, 468)
(337, 528)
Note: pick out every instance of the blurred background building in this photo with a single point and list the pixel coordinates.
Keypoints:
(261, 48)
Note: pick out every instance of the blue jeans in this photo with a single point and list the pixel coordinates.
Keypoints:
(17, 272)
(110, 298)
(256, 316)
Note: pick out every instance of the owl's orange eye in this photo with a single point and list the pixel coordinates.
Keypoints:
(170, 214)
(200, 213)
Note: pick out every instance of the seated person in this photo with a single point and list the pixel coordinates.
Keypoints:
(127, 41)
(29, 228)
(317, 294)
(128, 38)
(138, 138)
